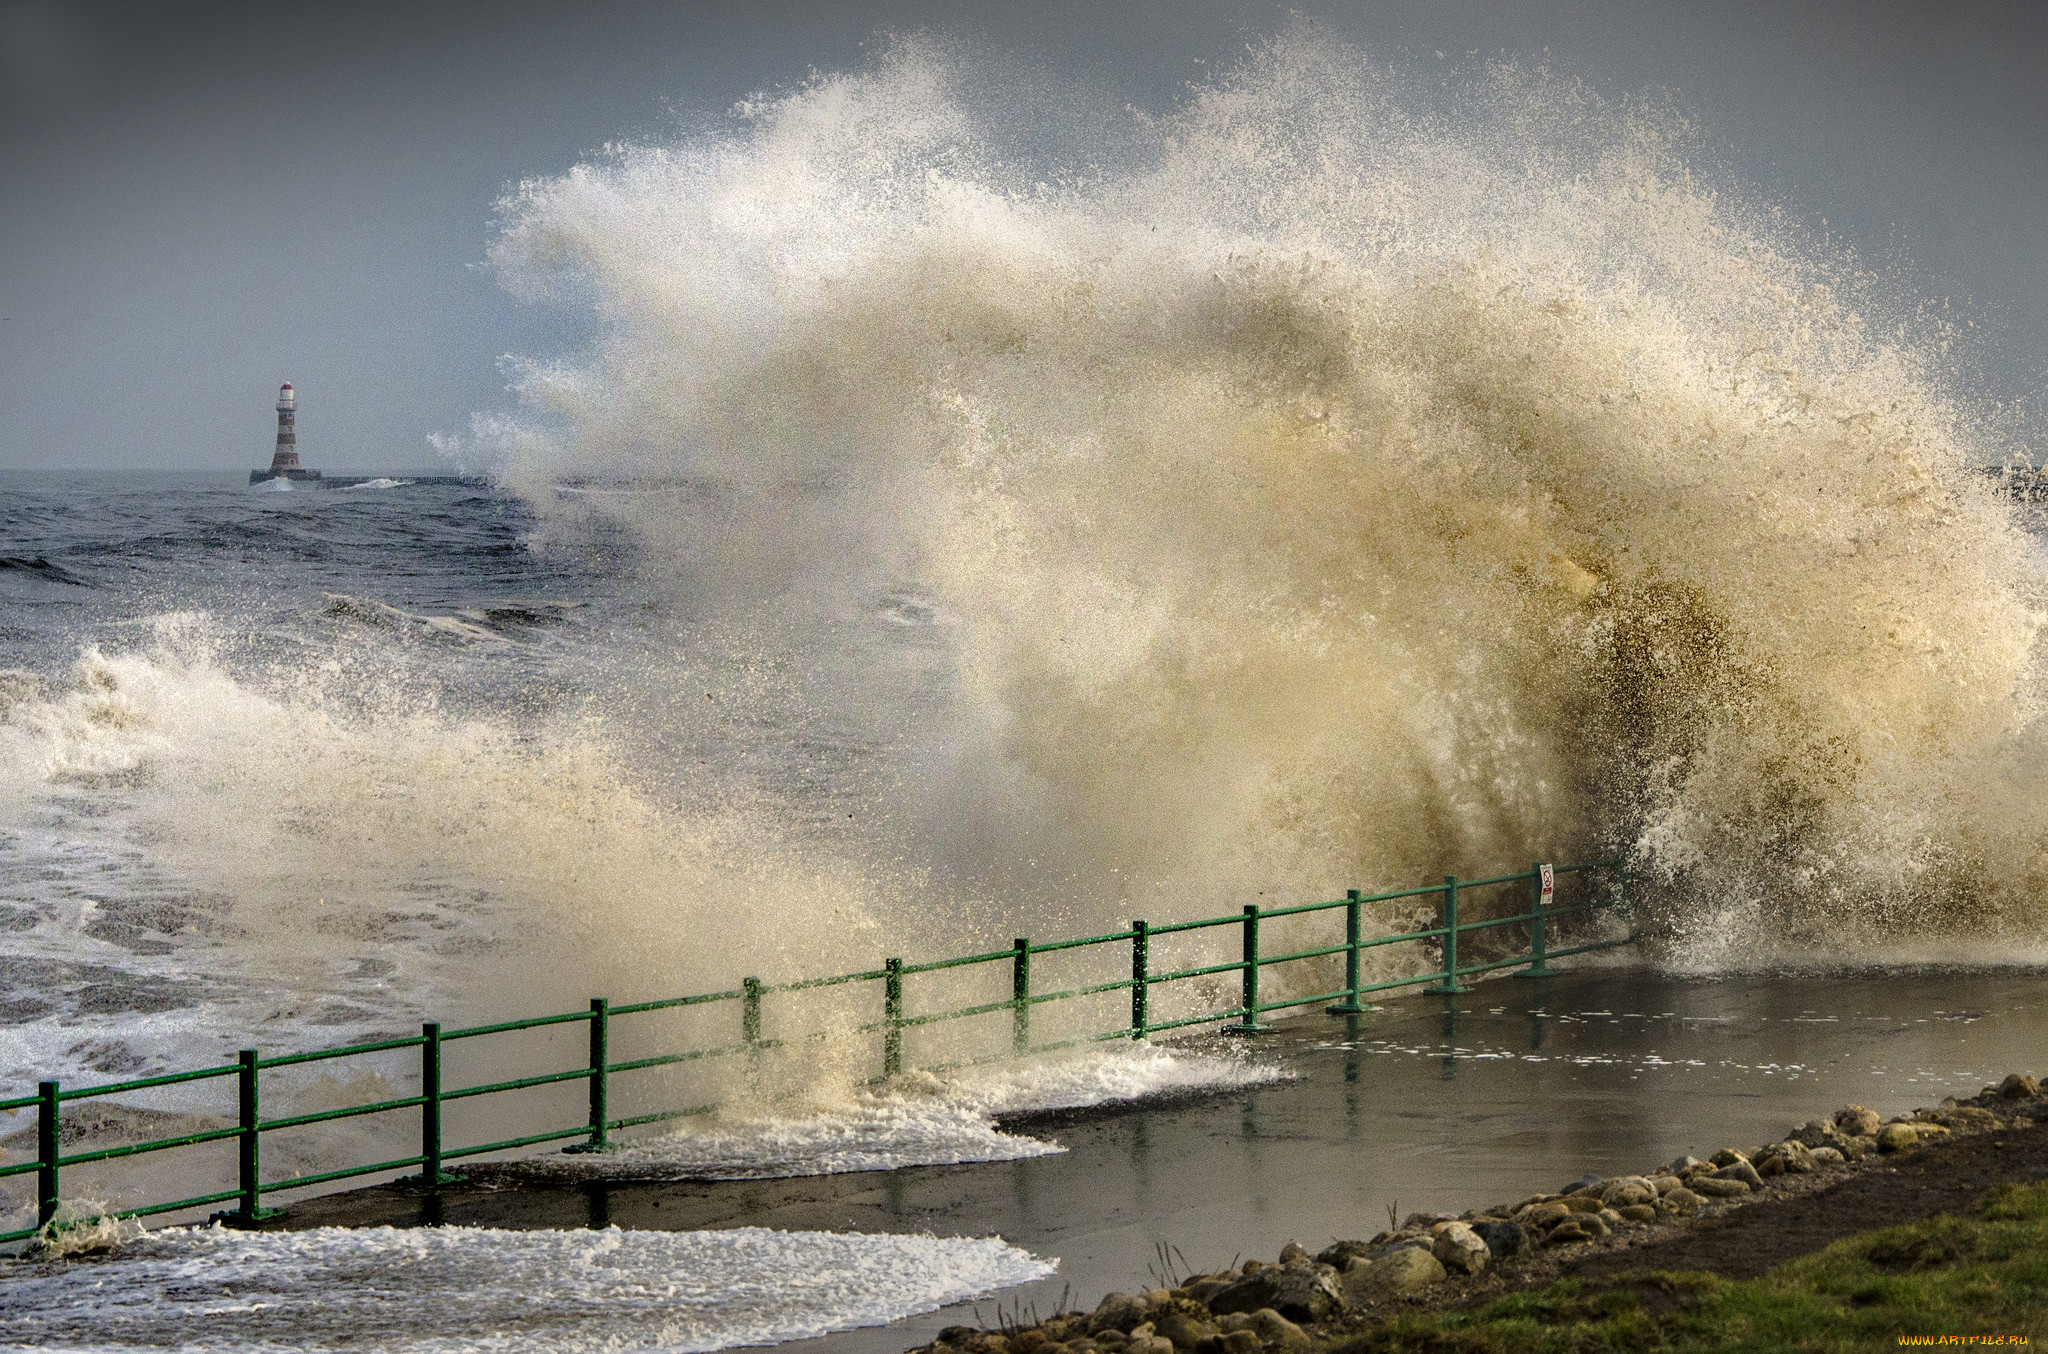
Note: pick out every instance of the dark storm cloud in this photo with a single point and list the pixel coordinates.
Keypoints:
(201, 201)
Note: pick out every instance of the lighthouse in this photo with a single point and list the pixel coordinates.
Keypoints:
(284, 462)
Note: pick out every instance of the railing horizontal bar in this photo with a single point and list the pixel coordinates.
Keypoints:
(1292, 1002)
(351, 1112)
(671, 1003)
(935, 1018)
(1051, 945)
(1234, 966)
(323, 1054)
(1267, 913)
(140, 1084)
(664, 1059)
(137, 1149)
(1200, 925)
(803, 983)
(196, 1201)
(961, 962)
(346, 1173)
(20, 1168)
(638, 1119)
(507, 1026)
(1302, 954)
(544, 1079)
(508, 1144)
(1119, 985)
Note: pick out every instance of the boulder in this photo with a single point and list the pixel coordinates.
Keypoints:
(1401, 1271)
(1680, 1201)
(2018, 1086)
(1543, 1215)
(1338, 1254)
(1897, 1137)
(1241, 1342)
(1667, 1183)
(1118, 1312)
(1276, 1332)
(1781, 1158)
(1726, 1157)
(1626, 1191)
(1504, 1239)
(1201, 1290)
(1827, 1156)
(1638, 1212)
(1300, 1291)
(1460, 1250)
(1576, 1228)
(1718, 1187)
(1423, 1221)
(1583, 1203)
(1151, 1344)
(1684, 1165)
(1856, 1122)
(1293, 1251)
(1183, 1330)
(1743, 1171)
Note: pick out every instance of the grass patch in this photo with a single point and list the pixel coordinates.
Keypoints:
(1982, 1275)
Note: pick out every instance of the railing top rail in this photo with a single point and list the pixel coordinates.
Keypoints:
(346, 1050)
(933, 965)
(506, 1026)
(137, 1084)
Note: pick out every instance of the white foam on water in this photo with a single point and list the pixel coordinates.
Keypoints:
(460, 1288)
(920, 1119)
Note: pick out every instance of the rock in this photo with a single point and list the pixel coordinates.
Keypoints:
(1718, 1187)
(1727, 1156)
(1586, 1181)
(1667, 1183)
(1582, 1203)
(1276, 1332)
(1030, 1342)
(1780, 1158)
(1827, 1156)
(1543, 1215)
(1300, 1291)
(1897, 1137)
(1504, 1239)
(1152, 1344)
(1401, 1271)
(2018, 1086)
(1628, 1190)
(1241, 1342)
(1118, 1312)
(1293, 1251)
(1856, 1122)
(1680, 1201)
(1201, 1290)
(1576, 1228)
(1459, 1249)
(1341, 1253)
(1424, 1221)
(1743, 1171)
(1184, 1331)
(1685, 1164)
(1609, 1219)
(1638, 1212)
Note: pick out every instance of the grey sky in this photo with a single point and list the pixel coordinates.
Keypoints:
(199, 201)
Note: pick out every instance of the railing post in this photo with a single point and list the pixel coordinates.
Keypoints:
(1538, 938)
(249, 1142)
(892, 1017)
(1250, 989)
(750, 1010)
(1141, 979)
(431, 1173)
(1020, 994)
(1449, 986)
(47, 1152)
(1354, 929)
(600, 1079)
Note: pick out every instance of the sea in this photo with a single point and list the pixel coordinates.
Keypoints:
(962, 528)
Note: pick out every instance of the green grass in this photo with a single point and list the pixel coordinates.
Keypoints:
(1981, 1275)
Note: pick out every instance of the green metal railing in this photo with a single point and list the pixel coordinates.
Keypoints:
(599, 1124)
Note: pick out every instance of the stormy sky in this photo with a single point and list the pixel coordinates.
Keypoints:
(199, 201)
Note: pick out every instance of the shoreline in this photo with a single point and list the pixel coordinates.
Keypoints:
(1826, 1181)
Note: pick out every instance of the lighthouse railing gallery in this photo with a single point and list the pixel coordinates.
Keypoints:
(1244, 1015)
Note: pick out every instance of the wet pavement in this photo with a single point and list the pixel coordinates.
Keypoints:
(1429, 1104)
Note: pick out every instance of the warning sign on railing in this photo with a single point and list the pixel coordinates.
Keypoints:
(1549, 884)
